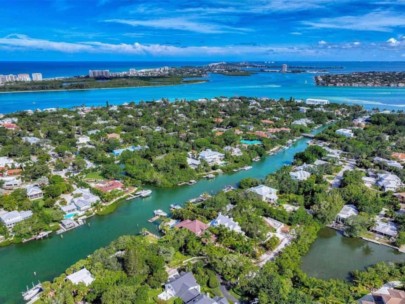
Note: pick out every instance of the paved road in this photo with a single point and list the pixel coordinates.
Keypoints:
(225, 292)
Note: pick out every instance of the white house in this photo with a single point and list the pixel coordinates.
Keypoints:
(68, 209)
(7, 162)
(385, 228)
(300, 175)
(31, 140)
(9, 219)
(11, 183)
(265, 193)
(184, 286)
(302, 122)
(34, 192)
(227, 222)
(82, 140)
(193, 163)
(388, 162)
(345, 132)
(211, 157)
(346, 212)
(82, 276)
(313, 101)
(234, 151)
(389, 182)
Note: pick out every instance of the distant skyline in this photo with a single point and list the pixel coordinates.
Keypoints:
(207, 30)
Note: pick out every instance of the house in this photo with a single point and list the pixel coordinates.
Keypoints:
(390, 163)
(11, 183)
(69, 209)
(203, 299)
(31, 140)
(113, 136)
(234, 151)
(82, 276)
(9, 126)
(227, 222)
(346, 212)
(265, 193)
(9, 219)
(197, 227)
(388, 229)
(389, 182)
(300, 175)
(82, 140)
(184, 287)
(345, 132)
(85, 200)
(193, 163)
(68, 224)
(399, 156)
(313, 101)
(211, 157)
(109, 186)
(303, 109)
(6, 162)
(302, 122)
(277, 225)
(34, 192)
(387, 294)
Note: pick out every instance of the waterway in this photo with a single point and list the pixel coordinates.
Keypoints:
(49, 257)
(272, 85)
(333, 256)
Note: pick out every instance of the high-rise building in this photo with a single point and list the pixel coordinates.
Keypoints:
(284, 68)
(36, 76)
(23, 77)
(99, 73)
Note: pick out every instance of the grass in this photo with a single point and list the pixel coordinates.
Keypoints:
(177, 260)
(94, 175)
(108, 209)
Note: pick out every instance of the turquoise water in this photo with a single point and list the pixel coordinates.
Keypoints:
(273, 85)
(251, 142)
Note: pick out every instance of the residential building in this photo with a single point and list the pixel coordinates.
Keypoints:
(68, 224)
(192, 162)
(11, 183)
(389, 182)
(345, 132)
(109, 186)
(9, 219)
(211, 157)
(184, 287)
(300, 175)
(392, 296)
(388, 162)
(99, 73)
(399, 156)
(302, 122)
(69, 209)
(265, 193)
(388, 228)
(284, 68)
(82, 276)
(31, 140)
(313, 101)
(234, 151)
(36, 77)
(34, 192)
(346, 212)
(227, 222)
(82, 140)
(23, 77)
(85, 199)
(197, 227)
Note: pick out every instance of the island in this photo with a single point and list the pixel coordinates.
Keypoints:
(245, 243)
(362, 79)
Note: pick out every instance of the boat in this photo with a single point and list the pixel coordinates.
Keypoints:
(175, 207)
(159, 212)
(247, 168)
(210, 176)
(192, 182)
(228, 188)
(31, 293)
(43, 234)
(256, 159)
(144, 193)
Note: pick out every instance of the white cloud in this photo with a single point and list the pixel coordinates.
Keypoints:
(322, 42)
(380, 21)
(182, 24)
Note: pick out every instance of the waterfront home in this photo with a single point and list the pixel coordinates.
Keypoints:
(82, 276)
(34, 192)
(302, 122)
(265, 193)
(345, 132)
(108, 186)
(184, 287)
(388, 162)
(389, 182)
(385, 228)
(197, 227)
(346, 212)
(11, 183)
(68, 224)
(69, 209)
(211, 157)
(9, 219)
(234, 151)
(227, 222)
(192, 162)
(203, 299)
(86, 194)
(314, 101)
(300, 175)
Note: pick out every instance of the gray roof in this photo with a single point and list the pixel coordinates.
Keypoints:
(182, 285)
(201, 299)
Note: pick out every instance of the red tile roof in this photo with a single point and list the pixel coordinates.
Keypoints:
(110, 185)
(195, 226)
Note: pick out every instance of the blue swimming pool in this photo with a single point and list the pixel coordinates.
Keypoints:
(69, 216)
(251, 142)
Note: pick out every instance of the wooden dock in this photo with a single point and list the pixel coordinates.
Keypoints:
(155, 218)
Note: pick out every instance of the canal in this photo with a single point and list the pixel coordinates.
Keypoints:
(333, 256)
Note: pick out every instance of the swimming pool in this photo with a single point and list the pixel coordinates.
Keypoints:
(251, 142)
(69, 216)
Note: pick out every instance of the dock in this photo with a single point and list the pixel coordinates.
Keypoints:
(153, 219)
(308, 135)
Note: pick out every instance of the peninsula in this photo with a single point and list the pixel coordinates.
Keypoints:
(362, 79)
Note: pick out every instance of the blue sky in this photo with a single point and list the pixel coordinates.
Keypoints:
(202, 30)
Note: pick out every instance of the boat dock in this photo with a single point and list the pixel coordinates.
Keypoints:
(153, 219)
(308, 135)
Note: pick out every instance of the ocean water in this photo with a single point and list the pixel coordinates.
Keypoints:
(272, 85)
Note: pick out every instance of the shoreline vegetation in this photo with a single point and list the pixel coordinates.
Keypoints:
(362, 79)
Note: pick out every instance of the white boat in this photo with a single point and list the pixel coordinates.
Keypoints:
(175, 207)
(31, 293)
(159, 212)
(247, 168)
(144, 193)
(256, 159)
(228, 188)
